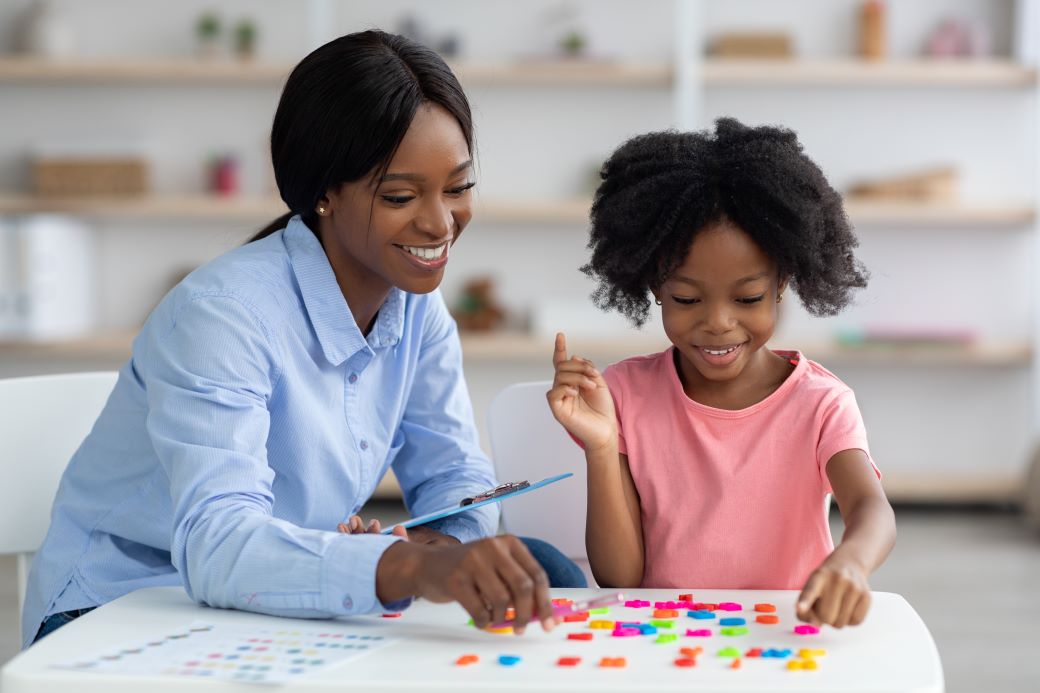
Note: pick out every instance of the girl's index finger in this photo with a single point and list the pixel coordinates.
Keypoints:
(560, 350)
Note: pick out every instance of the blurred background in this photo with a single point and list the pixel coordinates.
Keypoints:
(133, 148)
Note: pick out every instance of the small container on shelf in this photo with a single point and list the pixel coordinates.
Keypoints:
(873, 38)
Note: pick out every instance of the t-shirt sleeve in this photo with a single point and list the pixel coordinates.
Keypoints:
(841, 429)
(614, 380)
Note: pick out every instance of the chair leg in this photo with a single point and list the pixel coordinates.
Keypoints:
(24, 561)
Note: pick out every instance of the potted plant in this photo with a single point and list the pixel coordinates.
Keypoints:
(245, 39)
(207, 32)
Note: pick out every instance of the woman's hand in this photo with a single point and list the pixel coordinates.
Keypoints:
(580, 399)
(486, 577)
(419, 535)
(835, 594)
(355, 525)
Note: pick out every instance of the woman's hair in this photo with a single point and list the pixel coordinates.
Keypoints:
(345, 109)
(660, 189)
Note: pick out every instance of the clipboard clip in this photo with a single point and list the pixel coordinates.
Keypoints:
(500, 490)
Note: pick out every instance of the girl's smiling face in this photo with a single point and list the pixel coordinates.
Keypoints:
(719, 307)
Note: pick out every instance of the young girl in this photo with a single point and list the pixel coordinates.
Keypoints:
(709, 463)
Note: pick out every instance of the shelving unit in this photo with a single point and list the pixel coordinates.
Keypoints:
(508, 223)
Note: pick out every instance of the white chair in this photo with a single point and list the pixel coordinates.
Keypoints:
(527, 443)
(43, 419)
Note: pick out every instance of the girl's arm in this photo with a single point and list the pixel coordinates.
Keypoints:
(581, 401)
(837, 592)
(613, 528)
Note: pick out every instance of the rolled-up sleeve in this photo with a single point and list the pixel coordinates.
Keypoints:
(215, 368)
(441, 461)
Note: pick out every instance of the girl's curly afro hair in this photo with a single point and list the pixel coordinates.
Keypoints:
(659, 189)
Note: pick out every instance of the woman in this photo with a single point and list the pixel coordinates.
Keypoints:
(269, 391)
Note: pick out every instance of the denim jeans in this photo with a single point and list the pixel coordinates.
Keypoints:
(56, 621)
(562, 572)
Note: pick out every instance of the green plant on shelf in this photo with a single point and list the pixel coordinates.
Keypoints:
(245, 38)
(207, 32)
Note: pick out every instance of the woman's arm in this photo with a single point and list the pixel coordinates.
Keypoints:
(837, 592)
(581, 401)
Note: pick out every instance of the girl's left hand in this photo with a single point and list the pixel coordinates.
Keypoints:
(836, 594)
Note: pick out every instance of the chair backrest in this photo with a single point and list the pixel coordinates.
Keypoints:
(43, 419)
(528, 443)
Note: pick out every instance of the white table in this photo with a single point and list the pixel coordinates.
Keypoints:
(891, 651)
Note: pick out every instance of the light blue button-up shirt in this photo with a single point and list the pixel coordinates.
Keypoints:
(251, 419)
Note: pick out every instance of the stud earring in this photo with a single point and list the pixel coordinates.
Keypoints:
(657, 301)
(321, 209)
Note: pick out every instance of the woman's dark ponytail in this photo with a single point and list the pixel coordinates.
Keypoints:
(276, 225)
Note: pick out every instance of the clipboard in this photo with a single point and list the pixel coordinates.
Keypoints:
(455, 509)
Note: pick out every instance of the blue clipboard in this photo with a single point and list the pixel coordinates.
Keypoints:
(447, 512)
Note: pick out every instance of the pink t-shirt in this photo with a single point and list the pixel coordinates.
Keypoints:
(732, 499)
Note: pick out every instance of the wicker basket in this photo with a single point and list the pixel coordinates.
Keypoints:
(96, 176)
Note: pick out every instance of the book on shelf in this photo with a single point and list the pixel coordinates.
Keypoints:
(46, 278)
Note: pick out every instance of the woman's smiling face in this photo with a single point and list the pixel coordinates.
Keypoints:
(397, 230)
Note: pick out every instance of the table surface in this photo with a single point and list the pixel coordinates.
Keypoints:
(891, 651)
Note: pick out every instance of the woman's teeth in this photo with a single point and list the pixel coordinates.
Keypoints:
(426, 253)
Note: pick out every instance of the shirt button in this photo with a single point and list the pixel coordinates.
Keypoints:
(364, 445)
(348, 603)
(352, 378)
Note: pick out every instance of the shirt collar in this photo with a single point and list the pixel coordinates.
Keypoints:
(333, 323)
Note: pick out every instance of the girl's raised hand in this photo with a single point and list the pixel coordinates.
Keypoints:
(580, 399)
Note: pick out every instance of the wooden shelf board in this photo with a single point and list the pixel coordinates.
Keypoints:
(840, 72)
(574, 211)
(14, 70)
(862, 73)
(952, 487)
(882, 212)
(154, 207)
(523, 347)
(900, 487)
(566, 72)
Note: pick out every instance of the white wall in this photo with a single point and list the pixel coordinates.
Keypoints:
(540, 142)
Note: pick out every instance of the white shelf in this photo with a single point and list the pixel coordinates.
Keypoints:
(150, 207)
(863, 73)
(716, 72)
(252, 209)
(525, 348)
(565, 72)
(19, 70)
(256, 208)
(944, 214)
(223, 72)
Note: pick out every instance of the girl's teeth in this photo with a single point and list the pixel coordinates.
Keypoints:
(426, 253)
(720, 353)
